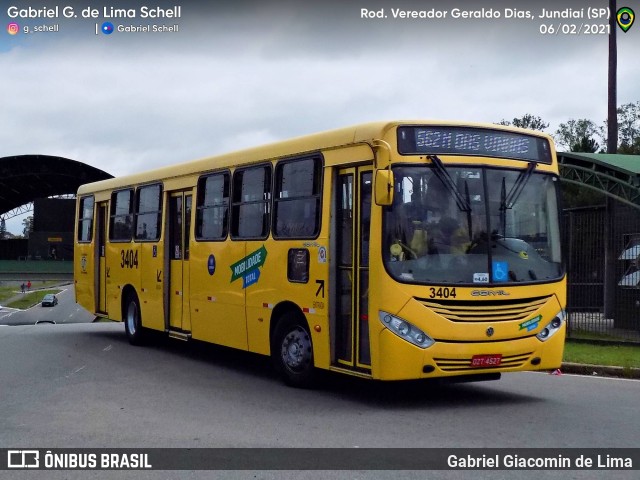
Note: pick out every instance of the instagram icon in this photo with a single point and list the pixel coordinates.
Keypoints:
(13, 28)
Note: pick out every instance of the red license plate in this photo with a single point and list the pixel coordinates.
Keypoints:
(486, 360)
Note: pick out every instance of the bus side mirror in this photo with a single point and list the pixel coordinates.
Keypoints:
(384, 187)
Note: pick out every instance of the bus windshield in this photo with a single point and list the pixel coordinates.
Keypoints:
(472, 225)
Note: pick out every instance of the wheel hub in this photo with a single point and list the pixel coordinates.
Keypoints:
(296, 349)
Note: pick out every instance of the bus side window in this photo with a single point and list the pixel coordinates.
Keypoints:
(297, 198)
(366, 185)
(212, 208)
(121, 221)
(85, 220)
(148, 212)
(251, 206)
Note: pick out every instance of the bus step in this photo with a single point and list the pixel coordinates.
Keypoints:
(185, 337)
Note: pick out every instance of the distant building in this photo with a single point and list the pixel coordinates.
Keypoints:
(24, 178)
(53, 224)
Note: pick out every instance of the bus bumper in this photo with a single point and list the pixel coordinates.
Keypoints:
(404, 361)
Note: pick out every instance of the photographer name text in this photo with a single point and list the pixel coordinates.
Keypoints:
(90, 12)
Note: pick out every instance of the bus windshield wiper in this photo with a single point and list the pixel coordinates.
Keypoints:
(467, 199)
(442, 173)
(518, 187)
(503, 207)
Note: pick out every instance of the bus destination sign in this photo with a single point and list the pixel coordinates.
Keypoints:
(472, 141)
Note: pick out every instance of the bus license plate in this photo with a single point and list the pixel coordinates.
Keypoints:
(486, 360)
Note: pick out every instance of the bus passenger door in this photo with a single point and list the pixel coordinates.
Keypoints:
(351, 309)
(101, 244)
(177, 294)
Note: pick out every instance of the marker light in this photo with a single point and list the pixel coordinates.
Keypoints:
(405, 330)
(552, 327)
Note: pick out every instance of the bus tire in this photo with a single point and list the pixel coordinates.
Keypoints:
(292, 351)
(133, 320)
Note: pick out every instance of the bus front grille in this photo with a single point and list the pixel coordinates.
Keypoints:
(485, 311)
(465, 364)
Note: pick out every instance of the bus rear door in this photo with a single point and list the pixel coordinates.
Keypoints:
(177, 264)
(101, 271)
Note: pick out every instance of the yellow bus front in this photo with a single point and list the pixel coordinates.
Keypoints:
(471, 278)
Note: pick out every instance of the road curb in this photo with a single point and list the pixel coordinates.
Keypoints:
(601, 370)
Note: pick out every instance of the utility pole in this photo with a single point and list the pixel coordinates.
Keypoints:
(612, 112)
(612, 147)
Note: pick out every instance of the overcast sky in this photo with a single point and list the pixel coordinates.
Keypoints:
(243, 73)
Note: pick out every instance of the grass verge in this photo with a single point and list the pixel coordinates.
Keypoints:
(7, 292)
(30, 299)
(11, 290)
(627, 356)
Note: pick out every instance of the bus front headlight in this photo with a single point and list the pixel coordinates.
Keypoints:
(552, 327)
(405, 330)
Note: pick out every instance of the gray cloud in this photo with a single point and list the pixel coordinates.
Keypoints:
(244, 73)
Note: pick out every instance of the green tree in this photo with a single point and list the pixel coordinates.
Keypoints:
(527, 121)
(578, 135)
(629, 128)
(27, 225)
(632, 149)
(586, 145)
(3, 228)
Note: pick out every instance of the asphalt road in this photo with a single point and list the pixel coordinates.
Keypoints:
(83, 385)
(67, 311)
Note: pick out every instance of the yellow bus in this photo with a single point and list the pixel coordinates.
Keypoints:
(391, 251)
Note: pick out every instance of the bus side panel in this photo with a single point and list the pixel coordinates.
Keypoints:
(273, 287)
(217, 299)
(150, 260)
(84, 275)
(310, 294)
(265, 289)
(121, 271)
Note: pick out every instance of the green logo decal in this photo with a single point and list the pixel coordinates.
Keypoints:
(248, 267)
(531, 324)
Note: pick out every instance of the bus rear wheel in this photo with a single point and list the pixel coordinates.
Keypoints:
(133, 321)
(292, 352)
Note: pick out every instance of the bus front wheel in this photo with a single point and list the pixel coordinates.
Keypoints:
(133, 320)
(292, 352)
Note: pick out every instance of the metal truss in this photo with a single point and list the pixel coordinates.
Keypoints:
(621, 185)
(21, 210)
(27, 208)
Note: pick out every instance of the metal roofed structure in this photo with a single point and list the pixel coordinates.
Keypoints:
(603, 246)
(24, 178)
(615, 175)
